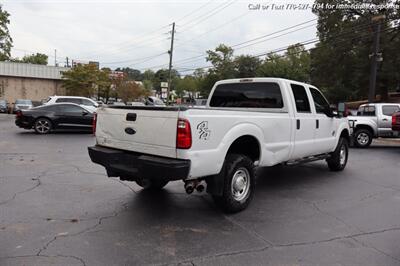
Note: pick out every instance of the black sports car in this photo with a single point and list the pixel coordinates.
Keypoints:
(46, 118)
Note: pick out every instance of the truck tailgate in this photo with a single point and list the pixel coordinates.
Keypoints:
(151, 131)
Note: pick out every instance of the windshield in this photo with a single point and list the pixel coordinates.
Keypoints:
(2, 103)
(27, 102)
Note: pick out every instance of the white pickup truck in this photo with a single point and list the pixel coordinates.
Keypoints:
(247, 123)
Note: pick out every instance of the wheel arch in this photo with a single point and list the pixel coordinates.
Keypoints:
(247, 145)
(367, 127)
(345, 134)
(53, 125)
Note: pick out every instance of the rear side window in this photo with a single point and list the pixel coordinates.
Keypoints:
(68, 100)
(389, 110)
(247, 95)
(301, 99)
(70, 109)
(87, 102)
(48, 108)
(366, 111)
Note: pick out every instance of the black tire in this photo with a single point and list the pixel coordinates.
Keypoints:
(338, 159)
(233, 199)
(152, 184)
(362, 138)
(42, 125)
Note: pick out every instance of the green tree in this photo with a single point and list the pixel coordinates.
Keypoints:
(38, 59)
(294, 64)
(85, 80)
(162, 75)
(223, 62)
(188, 83)
(341, 61)
(246, 66)
(103, 84)
(5, 38)
(129, 90)
(131, 74)
(148, 74)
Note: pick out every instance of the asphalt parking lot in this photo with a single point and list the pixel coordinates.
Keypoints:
(58, 208)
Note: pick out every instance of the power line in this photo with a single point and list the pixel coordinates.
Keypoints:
(217, 28)
(276, 32)
(258, 38)
(134, 60)
(207, 15)
(307, 42)
(194, 11)
(254, 39)
(139, 40)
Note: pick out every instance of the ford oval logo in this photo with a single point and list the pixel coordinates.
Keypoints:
(130, 131)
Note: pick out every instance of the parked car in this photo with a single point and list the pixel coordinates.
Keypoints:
(45, 118)
(200, 102)
(118, 104)
(86, 102)
(373, 121)
(154, 101)
(21, 104)
(3, 106)
(136, 103)
(396, 122)
(247, 123)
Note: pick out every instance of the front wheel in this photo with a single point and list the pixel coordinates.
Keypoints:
(239, 183)
(338, 159)
(362, 138)
(151, 184)
(42, 126)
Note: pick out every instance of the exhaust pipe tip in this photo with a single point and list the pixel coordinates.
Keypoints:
(189, 189)
(200, 188)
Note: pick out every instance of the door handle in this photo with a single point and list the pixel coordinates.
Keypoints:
(298, 123)
(385, 119)
(317, 123)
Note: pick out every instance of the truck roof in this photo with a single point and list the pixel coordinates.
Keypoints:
(260, 79)
(378, 104)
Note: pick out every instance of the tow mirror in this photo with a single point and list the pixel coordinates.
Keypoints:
(341, 109)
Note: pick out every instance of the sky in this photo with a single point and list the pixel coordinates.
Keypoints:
(136, 34)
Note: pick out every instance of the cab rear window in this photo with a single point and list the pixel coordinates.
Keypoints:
(247, 95)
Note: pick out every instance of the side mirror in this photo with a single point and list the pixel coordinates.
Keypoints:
(329, 112)
(341, 110)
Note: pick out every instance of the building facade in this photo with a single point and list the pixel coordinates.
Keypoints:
(29, 81)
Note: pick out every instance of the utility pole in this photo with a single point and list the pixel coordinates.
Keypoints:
(67, 59)
(375, 56)
(170, 61)
(55, 57)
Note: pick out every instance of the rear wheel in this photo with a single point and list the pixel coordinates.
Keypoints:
(43, 126)
(362, 138)
(151, 184)
(338, 159)
(239, 183)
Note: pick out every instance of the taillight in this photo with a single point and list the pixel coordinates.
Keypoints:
(18, 114)
(183, 135)
(94, 122)
(394, 120)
